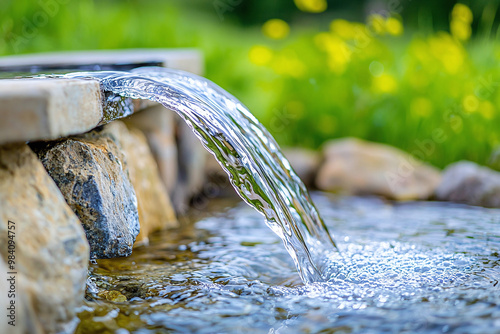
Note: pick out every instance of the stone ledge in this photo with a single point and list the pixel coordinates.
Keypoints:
(34, 109)
(183, 59)
(46, 109)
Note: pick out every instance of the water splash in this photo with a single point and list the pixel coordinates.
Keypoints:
(257, 169)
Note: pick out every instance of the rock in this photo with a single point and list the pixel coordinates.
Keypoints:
(91, 172)
(355, 166)
(158, 124)
(216, 184)
(155, 210)
(192, 159)
(189, 60)
(51, 253)
(467, 182)
(305, 162)
(34, 109)
(43, 109)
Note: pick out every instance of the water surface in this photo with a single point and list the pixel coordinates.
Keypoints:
(423, 266)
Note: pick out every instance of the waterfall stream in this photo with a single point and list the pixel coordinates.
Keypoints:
(247, 152)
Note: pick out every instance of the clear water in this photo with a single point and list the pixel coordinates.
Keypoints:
(257, 169)
(414, 267)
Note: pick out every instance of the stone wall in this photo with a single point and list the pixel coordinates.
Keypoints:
(77, 183)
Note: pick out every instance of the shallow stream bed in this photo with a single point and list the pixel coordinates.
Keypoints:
(403, 267)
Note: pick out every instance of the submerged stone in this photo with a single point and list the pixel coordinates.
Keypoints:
(355, 166)
(91, 172)
(46, 241)
(467, 182)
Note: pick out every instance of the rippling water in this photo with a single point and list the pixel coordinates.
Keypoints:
(414, 267)
(257, 169)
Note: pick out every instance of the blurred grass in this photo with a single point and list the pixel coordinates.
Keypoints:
(434, 94)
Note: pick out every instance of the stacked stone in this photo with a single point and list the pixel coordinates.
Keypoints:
(79, 184)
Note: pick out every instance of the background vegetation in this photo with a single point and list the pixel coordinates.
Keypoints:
(420, 75)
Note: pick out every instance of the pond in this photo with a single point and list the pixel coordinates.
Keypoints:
(403, 267)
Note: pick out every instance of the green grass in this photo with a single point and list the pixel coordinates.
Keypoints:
(436, 97)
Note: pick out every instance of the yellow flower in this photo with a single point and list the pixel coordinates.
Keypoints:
(393, 26)
(448, 51)
(487, 109)
(460, 30)
(385, 83)
(276, 29)
(342, 28)
(462, 13)
(260, 55)
(421, 107)
(311, 6)
(376, 23)
(470, 103)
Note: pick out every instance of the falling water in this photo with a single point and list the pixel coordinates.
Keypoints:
(257, 169)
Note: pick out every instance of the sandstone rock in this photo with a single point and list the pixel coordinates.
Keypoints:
(192, 159)
(158, 124)
(91, 173)
(305, 163)
(359, 167)
(155, 210)
(467, 182)
(51, 254)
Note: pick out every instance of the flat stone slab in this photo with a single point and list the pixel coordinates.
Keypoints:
(46, 109)
(33, 109)
(183, 59)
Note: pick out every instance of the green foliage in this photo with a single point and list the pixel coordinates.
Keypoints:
(435, 94)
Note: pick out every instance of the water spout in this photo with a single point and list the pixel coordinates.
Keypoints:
(246, 151)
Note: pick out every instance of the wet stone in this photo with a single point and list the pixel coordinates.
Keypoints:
(154, 207)
(92, 174)
(51, 252)
(467, 182)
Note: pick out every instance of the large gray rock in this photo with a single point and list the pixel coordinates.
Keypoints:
(51, 253)
(304, 162)
(91, 172)
(154, 207)
(355, 166)
(467, 182)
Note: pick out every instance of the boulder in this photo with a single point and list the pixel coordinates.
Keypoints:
(51, 252)
(192, 158)
(359, 167)
(467, 182)
(158, 125)
(154, 207)
(304, 162)
(91, 172)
